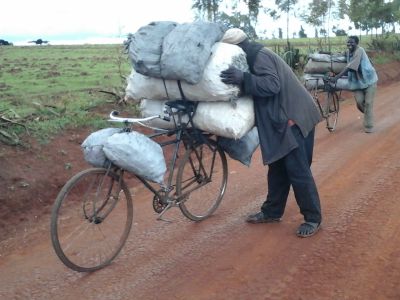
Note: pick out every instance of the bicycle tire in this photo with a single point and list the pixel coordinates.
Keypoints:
(330, 108)
(201, 180)
(85, 241)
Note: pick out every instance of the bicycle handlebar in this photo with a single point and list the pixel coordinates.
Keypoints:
(114, 118)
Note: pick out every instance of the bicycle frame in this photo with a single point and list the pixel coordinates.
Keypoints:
(93, 212)
(329, 110)
(185, 133)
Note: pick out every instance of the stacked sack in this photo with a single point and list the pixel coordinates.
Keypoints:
(183, 61)
(131, 151)
(320, 64)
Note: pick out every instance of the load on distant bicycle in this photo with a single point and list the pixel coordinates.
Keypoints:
(317, 73)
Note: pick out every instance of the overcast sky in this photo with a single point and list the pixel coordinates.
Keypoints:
(31, 19)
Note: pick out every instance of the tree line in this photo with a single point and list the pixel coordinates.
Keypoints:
(365, 15)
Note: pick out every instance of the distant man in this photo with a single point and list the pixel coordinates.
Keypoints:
(362, 80)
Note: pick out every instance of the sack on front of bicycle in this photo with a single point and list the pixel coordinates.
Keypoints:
(138, 154)
(92, 146)
(131, 151)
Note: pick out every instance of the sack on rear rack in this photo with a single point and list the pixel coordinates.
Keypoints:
(228, 119)
(334, 57)
(136, 153)
(312, 82)
(243, 148)
(93, 146)
(322, 67)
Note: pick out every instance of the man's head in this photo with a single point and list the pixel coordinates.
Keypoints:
(234, 36)
(352, 43)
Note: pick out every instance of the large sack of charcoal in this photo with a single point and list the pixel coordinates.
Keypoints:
(321, 67)
(136, 153)
(145, 47)
(322, 63)
(227, 119)
(174, 51)
(210, 87)
(92, 146)
(312, 81)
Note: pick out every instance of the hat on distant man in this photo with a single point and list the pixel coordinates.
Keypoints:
(234, 36)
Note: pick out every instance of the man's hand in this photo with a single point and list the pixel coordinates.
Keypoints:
(232, 75)
(334, 79)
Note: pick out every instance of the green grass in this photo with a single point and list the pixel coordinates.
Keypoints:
(45, 89)
(48, 88)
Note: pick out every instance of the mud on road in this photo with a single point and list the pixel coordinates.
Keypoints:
(356, 255)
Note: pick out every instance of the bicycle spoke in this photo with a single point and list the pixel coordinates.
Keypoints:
(200, 196)
(89, 226)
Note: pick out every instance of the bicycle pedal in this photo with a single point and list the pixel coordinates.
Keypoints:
(160, 215)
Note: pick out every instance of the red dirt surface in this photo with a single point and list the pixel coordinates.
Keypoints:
(355, 255)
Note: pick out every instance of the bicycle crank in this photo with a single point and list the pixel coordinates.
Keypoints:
(159, 204)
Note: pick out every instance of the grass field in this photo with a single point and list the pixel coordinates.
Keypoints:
(44, 89)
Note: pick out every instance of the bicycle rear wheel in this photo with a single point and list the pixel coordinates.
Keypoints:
(91, 219)
(201, 180)
(330, 110)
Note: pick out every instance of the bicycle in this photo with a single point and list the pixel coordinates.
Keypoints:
(326, 96)
(92, 214)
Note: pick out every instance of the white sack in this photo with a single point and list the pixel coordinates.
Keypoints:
(92, 146)
(137, 154)
(145, 47)
(310, 82)
(210, 88)
(228, 119)
(243, 148)
(320, 67)
(150, 108)
(186, 50)
(336, 57)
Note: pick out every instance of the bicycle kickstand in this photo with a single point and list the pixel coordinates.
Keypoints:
(160, 216)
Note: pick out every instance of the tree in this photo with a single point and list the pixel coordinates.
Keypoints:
(254, 9)
(316, 13)
(207, 9)
(302, 34)
(39, 42)
(238, 20)
(338, 31)
(280, 34)
(373, 14)
(5, 43)
(285, 6)
(319, 14)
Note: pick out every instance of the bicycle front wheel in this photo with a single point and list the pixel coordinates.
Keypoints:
(201, 180)
(91, 219)
(330, 108)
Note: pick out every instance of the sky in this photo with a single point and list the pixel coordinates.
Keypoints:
(24, 20)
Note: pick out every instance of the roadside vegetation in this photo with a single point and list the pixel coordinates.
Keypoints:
(46, 89)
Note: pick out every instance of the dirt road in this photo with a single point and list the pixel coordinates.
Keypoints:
(356, 255)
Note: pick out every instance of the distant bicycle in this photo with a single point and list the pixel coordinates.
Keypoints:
(92, 215)
(326, 97)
